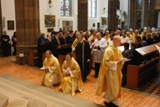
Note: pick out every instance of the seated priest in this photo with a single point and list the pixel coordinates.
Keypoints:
(72, 80)
(53, 74)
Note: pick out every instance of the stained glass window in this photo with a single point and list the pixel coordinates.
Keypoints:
(139, 5)
(66, 8)
(92, 8)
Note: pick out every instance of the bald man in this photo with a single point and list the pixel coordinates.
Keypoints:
(110, 76)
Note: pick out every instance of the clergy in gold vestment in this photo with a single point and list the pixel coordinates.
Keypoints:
(73, 47)
(107, 36)
(110, 76)
(72, 80)
(53, 74)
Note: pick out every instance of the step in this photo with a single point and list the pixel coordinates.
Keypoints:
(49, 96)
(33, 93)
(35, 103)
(14, 100)
(3, 100)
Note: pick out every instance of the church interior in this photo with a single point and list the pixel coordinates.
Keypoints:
(20, 74)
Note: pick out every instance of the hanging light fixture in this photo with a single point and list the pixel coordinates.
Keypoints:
(50, 3)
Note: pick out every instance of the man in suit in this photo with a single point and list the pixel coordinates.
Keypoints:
(71, 37)
(55, 45)
(63, 41)
(41, 48)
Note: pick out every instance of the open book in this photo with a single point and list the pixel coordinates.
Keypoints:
(114, 67)
(158, 48)
(124, 59)
(43, 68)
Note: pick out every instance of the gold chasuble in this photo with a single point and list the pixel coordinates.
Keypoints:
(73, 46)
(53, 74)
(110, 80)
(107, 37)
(73, 82)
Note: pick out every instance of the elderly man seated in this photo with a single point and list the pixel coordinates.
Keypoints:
(72, 80)
(53, 74)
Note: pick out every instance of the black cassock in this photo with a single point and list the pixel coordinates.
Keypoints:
(5, 45)
(83, 53)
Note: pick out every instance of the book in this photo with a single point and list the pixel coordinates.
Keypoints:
(43, 68)
(124, 59)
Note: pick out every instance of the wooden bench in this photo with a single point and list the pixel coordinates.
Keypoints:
(136, 75)
(32, 57)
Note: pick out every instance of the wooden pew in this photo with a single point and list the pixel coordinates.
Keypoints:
(32, 56)
(61, 58)
(136, 75)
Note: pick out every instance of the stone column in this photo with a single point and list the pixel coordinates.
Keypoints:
(153, 14)
(27, 25)
(158, 26)
(131, 14)
(82, 15)
(1, 28)
(113, 5)
(1, 19)
(145, 14)
(157, 7)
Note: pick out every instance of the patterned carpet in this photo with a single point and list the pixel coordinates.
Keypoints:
(129, 98)
(152, 85)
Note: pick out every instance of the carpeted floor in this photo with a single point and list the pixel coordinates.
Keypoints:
(152, 85)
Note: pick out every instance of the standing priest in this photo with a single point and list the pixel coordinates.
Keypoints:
(83, 55)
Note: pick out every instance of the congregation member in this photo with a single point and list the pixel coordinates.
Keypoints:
(72, 80)
(126, 54)
(144, 33)
(53, 74)
(41, 48)
(136, 32)
(136, 58)
(132, 33)
(138, 42)
(71, 37)
(124, 38)
(91, 39)
(144, 41)
(49, 38)
(131, 38)
(98, 49)
(5, 44)
(83, 55)
(110, 76)
(87, 35)
(149, 39)
(14, 43)
(155, 36)
(107, 36)
(63, 42)
(55, 45)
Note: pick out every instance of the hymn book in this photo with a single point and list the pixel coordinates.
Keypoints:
(114, 67)
(69, 70)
